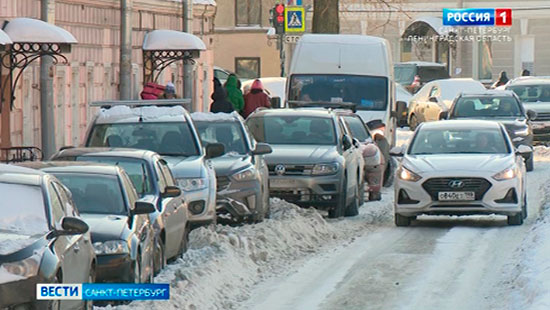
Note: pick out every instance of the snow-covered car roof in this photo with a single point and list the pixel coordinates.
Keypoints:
(421, 63)
(126, 114)
(215, 117)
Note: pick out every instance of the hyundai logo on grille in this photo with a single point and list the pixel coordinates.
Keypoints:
(456, 184)
(280, 169)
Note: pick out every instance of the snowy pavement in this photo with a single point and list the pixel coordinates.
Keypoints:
(298, 259)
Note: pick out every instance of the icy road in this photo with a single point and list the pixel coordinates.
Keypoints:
(300, 260)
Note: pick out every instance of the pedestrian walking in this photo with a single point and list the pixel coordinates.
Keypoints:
(255, 98)
(169, 91)
(234, 93)
(502, 80)
(220, 104)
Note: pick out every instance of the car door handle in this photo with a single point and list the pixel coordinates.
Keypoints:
(76, 248)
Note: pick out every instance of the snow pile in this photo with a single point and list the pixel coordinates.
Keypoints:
(221, 266)
(530, 287)
(542, 153)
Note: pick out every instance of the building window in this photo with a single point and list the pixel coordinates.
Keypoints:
(247, 67)
(248, 12)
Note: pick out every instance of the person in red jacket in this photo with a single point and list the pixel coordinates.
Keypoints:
(255, 99)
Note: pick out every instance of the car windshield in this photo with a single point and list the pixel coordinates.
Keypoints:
(458, 141)
(367, 92)
(486, 107)
(23, 211)
(357, 128)
(293, 129)
(531, 93)
(430, 73)
(404, 74)
(95, 194)
(230, 134)
(135, 168)
(167, 138)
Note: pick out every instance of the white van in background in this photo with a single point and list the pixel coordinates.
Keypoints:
(346, 69)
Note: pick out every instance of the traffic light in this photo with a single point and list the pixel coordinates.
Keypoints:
(278, 18)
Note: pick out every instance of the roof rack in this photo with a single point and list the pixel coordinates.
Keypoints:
(323, 104)
(186, 103)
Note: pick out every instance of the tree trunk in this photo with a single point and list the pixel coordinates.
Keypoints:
(325, 16)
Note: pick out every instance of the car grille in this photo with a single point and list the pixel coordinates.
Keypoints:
(222, 183)
(292, 169)
(543, 116)
(477, 185)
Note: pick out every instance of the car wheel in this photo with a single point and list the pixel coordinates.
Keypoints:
(160, 256)
(338, 210)
(516, 219)
(353, 208)
(184, 241)
(401, 220)
(529, 164)
(375, 196)
(524, 207)
(413, 122)
(388, 173)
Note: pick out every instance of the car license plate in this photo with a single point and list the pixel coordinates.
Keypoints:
(456, 196)
(282, 183)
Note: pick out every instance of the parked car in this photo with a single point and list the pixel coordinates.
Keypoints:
(241, 173)
(170, 132)
(534, 93)
(314, 161)
(375, 161)
(414, 74)
(436, 97)
(274, 87)
(503, 107)
(460, 167)
(122, 234)
(43, 239)
(154, 183)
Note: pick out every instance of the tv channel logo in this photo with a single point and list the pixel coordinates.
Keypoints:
(477, 17)
(103, 291)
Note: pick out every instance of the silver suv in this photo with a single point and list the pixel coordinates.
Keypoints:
(534, 93)
(169, 131)
(315, 161)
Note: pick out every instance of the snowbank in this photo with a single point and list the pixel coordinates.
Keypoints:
(542, 153)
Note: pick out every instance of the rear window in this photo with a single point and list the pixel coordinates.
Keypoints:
(428, 74)
(532, 93)
(293, 129)
(486, 107)
(404, 74)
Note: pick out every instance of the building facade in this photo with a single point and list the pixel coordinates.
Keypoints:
(91, 72)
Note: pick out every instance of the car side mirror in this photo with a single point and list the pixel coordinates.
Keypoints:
(523, 150)
(398, 151)
(443, 115)
(262, 149)
(143, 207)
(531, 115)
(432, 99)
(214, 150)
(171, 191)
(275, 102)
(73, 226)
(356, 142)
(346, 142)
(401, 109)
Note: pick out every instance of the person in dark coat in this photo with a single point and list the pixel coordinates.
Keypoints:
(220, 103)
(525, 72)
(502, 80)
(255, 99)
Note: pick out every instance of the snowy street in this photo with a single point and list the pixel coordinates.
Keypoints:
(300, 260)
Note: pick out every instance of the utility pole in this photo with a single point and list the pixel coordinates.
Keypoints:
(125, 72)
(47, 122)
(187, 7)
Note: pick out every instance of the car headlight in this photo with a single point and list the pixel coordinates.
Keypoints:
(25, 268)
(325, 169)
(244, 175)
(522, 132)
(111, 247)
(407, 175)
(505, 174)
(192, 184)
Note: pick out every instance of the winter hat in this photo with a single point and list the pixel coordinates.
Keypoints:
(170, 88)
(257, 84)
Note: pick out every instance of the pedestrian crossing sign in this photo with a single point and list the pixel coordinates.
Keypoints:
(295, 19)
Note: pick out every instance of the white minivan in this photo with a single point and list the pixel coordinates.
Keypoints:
(354, 69)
